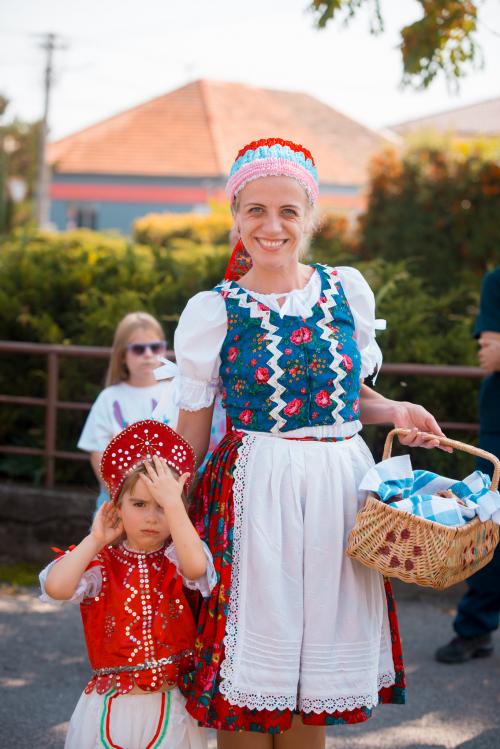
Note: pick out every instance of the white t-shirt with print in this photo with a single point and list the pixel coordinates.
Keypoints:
(118, 406)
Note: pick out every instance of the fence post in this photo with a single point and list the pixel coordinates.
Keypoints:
(51, 417)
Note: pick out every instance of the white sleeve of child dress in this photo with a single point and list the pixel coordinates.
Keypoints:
(89, 585)
(206, 582)
(198, 341)
(97, 430)
(362, 304)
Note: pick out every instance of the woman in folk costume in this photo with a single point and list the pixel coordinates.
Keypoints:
(295, 635)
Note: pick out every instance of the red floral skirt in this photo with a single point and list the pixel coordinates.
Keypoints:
(213, 516)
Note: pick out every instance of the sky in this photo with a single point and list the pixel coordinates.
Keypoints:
(115, 54)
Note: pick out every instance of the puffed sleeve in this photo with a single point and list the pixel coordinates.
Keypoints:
(90, 584)
(362, 304)
(198, 341)
(205, 583)
(166, 410)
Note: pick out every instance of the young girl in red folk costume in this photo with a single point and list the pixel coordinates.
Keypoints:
(295, 635)
(139, 629)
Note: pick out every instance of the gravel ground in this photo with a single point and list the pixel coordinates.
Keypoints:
(44, 668)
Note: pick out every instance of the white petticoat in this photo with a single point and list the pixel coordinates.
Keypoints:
(134, 721)
(307, 626)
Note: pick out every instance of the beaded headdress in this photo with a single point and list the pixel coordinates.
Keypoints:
(273, 157)
(140, 442)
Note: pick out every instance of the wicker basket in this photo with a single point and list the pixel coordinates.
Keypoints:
(421, 551)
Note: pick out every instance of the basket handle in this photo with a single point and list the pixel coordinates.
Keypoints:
(445, 441)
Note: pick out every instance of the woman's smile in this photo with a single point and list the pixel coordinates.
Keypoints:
(271, 244)
(272, 218)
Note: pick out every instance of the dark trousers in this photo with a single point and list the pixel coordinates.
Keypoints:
(479, 610)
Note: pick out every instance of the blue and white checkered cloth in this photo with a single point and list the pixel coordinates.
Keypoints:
(417, 491)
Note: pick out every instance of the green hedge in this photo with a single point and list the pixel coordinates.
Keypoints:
(163, 229)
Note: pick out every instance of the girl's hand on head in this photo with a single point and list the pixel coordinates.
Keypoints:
(424, 428)
(164, 485)
(107, 526)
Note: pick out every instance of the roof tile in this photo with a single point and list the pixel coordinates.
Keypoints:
(482, 118)
(196, 131)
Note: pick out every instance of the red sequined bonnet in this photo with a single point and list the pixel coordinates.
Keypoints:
(140, 442)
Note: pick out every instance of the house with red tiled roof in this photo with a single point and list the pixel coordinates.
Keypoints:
(174, 152)
(481, 119)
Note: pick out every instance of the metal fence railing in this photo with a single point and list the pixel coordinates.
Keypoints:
(52, 404)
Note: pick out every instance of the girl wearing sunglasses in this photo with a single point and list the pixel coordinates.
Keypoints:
(132, 392)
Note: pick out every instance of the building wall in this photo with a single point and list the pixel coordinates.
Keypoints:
(114, 202)
(105, 202)
(104, 216)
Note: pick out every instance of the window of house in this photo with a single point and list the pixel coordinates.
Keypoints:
(86, 217)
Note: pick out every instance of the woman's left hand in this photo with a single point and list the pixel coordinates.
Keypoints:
(424, 427)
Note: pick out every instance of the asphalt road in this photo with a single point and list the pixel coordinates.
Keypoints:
(44, 668)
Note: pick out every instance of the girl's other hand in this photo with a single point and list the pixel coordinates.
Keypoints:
(165, 487)
(107, 526)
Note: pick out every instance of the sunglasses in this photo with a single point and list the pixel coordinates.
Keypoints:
(156, 347)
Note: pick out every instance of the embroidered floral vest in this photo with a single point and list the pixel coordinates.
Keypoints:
(285, 373)
(139, 630)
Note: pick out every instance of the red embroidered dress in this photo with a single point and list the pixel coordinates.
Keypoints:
(139, 628)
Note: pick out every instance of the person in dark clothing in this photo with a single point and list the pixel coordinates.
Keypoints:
(478, 612)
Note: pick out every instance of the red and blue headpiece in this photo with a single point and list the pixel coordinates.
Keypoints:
(273, 157)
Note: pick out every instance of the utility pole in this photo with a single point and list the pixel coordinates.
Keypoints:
(3, 171)
(42, 186)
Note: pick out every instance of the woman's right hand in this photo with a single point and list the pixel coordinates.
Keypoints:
(107, 525)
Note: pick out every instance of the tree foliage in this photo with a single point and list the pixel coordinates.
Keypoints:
(18, 151)
(443, 40)
(432, 205)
